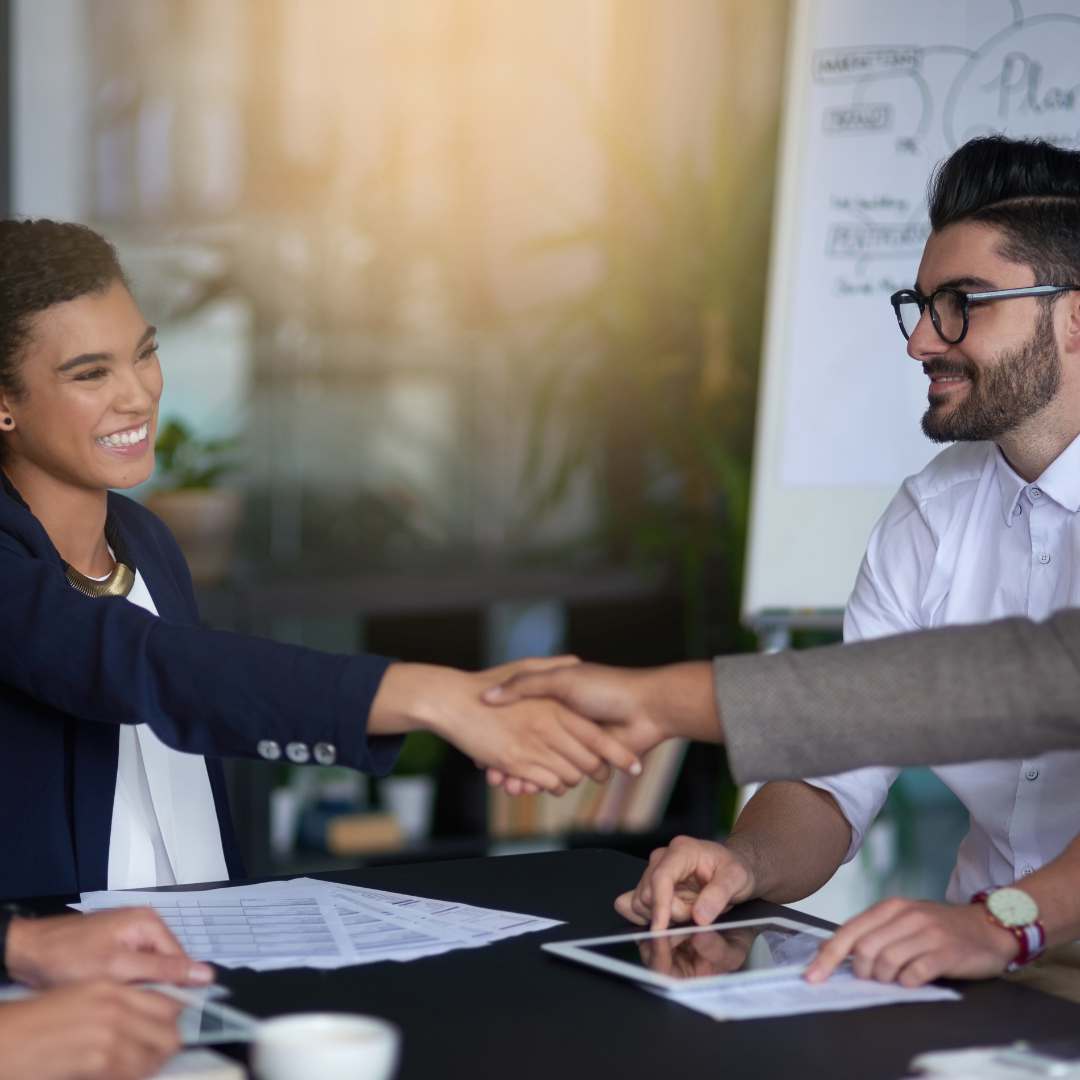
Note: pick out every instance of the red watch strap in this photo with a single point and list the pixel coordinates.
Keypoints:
(1032, 937)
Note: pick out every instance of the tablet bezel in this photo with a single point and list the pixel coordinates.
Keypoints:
(578, 952)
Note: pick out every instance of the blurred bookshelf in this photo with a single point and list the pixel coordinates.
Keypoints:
(609, 616)
(623, 804)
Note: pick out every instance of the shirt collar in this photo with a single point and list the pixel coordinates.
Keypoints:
(1060, 480)
(1011, 485)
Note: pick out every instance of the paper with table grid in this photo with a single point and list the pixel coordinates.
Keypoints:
(319, 924)
(792, 995)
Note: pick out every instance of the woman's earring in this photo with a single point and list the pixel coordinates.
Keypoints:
(9, 421)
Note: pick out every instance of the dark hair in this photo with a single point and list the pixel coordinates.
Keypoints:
(1029, 189)
(43, 263)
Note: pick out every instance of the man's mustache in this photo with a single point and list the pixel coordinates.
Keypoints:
(944, 366)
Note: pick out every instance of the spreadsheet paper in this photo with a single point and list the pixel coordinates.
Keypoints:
(319, 924)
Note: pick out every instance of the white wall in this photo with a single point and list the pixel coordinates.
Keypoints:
(51, 108)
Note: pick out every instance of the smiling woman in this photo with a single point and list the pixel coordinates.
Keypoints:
(79, 422)
(116, 706)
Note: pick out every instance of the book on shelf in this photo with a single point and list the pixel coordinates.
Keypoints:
(363, 834)
(623, 804)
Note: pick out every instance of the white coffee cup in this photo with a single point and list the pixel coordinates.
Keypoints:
(329, 1046)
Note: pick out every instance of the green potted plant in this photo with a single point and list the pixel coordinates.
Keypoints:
(409, 792)
(202, 516)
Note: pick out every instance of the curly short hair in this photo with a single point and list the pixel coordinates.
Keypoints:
(1028, 189)
(43, 263)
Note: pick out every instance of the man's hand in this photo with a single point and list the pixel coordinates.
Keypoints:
(129, 945)
(914, 941)
(94, 1031)
(640, 708)
(540, 742)
(615, 696)
(688, 881)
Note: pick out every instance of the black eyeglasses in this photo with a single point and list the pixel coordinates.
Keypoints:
(949, 307)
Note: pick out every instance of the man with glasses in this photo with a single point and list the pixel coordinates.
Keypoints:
(990, 529)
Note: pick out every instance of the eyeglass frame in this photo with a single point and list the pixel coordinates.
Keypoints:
(965, 299)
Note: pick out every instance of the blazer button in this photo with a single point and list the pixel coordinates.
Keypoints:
(325, 753)
(297, 753)
(269, 749)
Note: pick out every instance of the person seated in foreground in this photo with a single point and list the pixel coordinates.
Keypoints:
(89, 1025)
(988, 530)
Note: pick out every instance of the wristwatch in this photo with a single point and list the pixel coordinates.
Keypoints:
(1015, 911)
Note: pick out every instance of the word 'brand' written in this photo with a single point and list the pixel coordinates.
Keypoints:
(857, 119)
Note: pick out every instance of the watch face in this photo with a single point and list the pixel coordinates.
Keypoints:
(1012, 907)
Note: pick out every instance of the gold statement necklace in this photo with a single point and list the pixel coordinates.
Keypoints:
(122, 578)
(118, 583)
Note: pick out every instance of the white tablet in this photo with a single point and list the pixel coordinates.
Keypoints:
(700, 955)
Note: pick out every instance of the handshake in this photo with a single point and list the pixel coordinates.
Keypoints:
(545, 724)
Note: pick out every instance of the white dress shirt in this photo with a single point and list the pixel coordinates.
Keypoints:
(164, 826)
(967, 541)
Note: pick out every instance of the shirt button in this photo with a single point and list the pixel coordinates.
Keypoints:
(297, 753)
(1032, 774)
(1044, 558)
(325, 753)
(1018, 509)
(1034, 493)
(1027, 870)
(269, 750)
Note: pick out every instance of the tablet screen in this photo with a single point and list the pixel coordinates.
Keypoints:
(701, 953)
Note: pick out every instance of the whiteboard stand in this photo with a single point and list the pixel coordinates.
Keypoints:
(774, 626)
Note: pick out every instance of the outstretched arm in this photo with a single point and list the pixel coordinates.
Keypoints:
(959, 693)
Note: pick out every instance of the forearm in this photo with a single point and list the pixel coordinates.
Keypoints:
(794, 837)
(681, 700)
(1056, 889)
(1006, 689)
(408, 699)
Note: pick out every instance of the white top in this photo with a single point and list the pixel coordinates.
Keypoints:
(967, 541)
(164, 826)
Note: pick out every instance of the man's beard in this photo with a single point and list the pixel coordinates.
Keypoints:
(1000, 397)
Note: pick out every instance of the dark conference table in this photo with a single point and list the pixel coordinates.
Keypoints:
(510, 1010)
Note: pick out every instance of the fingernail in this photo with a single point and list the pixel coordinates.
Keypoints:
(493, 693)
(635, 769)
(200, 973)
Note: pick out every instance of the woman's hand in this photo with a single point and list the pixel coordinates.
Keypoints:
(541, 742)
(688, 881)
(93, 1031)
(128, 945)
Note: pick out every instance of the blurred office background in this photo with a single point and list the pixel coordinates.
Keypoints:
(460, 306)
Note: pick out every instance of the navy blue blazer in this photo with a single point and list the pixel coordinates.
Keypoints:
(73, 668)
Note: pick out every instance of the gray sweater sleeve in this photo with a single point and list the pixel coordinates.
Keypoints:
(965, 693)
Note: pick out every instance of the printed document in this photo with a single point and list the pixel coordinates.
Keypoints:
(318, 924)
(791, 995)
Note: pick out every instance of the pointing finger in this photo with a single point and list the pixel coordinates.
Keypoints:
(837, 948)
